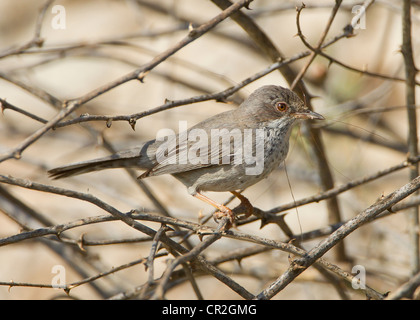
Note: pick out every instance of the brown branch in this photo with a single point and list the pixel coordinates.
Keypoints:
(340, 189)
(407, 289)
(36, 40)
(138, 74)
(301, 264)
(130, 221)
(149, 264)
(188, 255)
(169, 104)
(68, 287)
(410, 98)
(198, 249)
(316, 50)
(267, 46)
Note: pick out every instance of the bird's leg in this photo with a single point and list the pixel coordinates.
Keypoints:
(223, 210)
(245, 202)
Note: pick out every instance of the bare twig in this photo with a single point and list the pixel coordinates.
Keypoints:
(138, 74)
(407, 289)
(36, 40)
(301, 264)
(410, 98)
(149, 264)
(160, 290)
(318, 47)
(127, 219)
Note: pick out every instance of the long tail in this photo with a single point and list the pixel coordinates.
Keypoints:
(135, 158)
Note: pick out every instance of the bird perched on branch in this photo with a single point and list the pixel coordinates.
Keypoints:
(227, 152)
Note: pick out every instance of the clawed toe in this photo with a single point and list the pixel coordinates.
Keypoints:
(225, 213)
(223, 210)
(249, 209)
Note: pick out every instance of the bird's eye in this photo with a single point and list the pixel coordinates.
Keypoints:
(281, 106)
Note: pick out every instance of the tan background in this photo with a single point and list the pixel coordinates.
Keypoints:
(212, 63)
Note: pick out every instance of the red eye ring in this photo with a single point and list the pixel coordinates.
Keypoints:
(282, 106)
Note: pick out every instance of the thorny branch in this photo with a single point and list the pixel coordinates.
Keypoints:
(410, 74)
(138, 74)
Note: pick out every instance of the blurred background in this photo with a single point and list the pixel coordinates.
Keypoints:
(92, 43)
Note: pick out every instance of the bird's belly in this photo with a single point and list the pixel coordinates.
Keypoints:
(231, 177)
(220, 178)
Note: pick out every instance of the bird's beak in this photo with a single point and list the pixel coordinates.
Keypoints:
(308, 114)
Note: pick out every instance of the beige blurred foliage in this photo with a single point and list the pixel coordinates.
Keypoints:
(112, 38)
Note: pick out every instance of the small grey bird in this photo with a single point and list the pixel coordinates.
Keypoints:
(227, 152)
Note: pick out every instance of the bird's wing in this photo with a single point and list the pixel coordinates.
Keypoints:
(193, 149)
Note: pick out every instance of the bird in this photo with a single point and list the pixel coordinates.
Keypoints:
(227, 152)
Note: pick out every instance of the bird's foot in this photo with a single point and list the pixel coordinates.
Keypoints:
(248, 207)
(224, 212)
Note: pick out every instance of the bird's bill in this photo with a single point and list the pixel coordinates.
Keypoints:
(308, 114)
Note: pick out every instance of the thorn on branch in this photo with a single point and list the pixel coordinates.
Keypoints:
(191, 29)
(280, 59)
(142, 75)
(330, 62)
(300, 35)
(192, 32)
(17, 155)
(80, 242)
(391, 210)
(10, 286)
(222, 100)
(132, 123)
(200, 233)
(247, 5)
(239, 260)
(264, 222)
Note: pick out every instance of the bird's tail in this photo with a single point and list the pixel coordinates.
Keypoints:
(135, 158)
